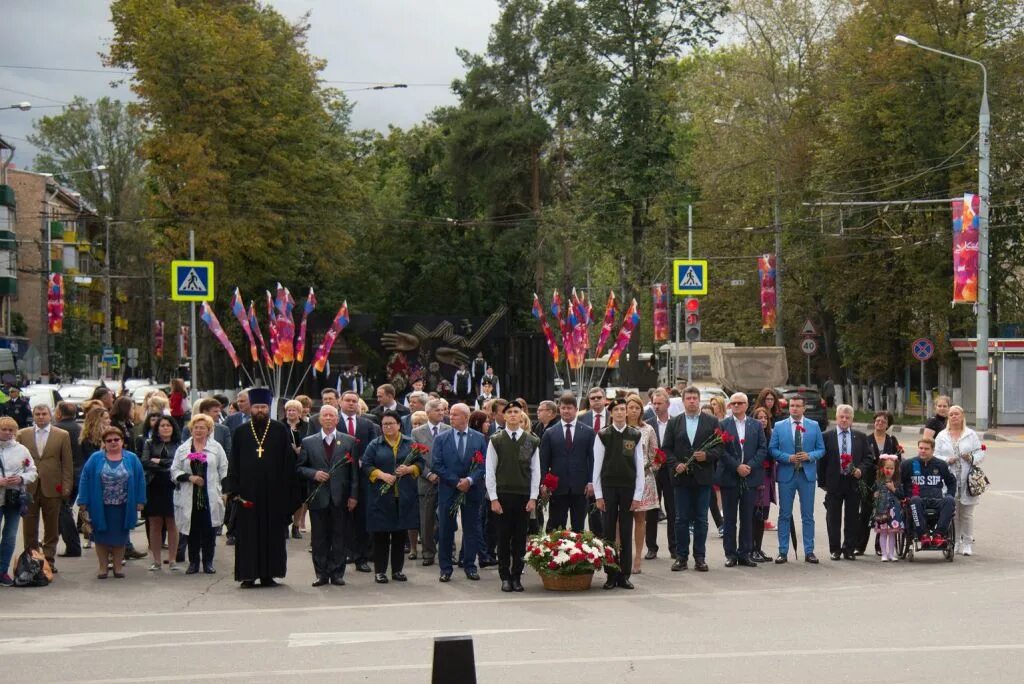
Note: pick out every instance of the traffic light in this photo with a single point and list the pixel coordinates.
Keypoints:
(692, 319)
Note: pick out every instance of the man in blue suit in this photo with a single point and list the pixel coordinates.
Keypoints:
(567, 451)
(454, 460)
(796, 446)
(740, 473)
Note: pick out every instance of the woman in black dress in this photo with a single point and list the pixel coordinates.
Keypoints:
(157, 457)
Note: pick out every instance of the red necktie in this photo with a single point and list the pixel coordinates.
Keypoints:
(352, 426)
(597, 422)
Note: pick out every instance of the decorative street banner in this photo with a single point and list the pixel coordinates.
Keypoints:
(55, 304)
(966, 225)
(210, 318)
(158, 339)
(184, 352)
(660, 293)
(766, 275)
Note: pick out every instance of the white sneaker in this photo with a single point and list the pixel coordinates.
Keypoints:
(884, 559)
(155, 567)
(173, 567)
(967, 550)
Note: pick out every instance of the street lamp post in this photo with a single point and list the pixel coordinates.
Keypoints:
(984, 150)
(23, 106)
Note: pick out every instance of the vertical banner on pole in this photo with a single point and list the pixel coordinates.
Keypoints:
(660, 293)
(158, 339)
(966, 226)
(184, 351)
(766, 275)
(55, 304)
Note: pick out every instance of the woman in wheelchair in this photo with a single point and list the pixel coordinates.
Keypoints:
(922, 479)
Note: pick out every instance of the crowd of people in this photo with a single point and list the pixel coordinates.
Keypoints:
(395, 484)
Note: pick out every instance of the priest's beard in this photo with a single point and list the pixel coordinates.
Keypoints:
(259, 422)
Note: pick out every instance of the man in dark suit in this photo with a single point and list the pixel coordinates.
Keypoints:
(454, 461)
(427, 482)
(65, 420)
(740, 473)
(328, 397)
(326, 461)
(596, 418)
(686, 433)
(547, 415)
(363, 430)
(242, 415)
(842, 494)
(417, 401)
(386, 402)
(663, 478)
(567, 450)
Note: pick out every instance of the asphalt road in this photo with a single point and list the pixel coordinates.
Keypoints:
(839, 621)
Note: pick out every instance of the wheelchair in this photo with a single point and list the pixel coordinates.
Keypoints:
(907, 543)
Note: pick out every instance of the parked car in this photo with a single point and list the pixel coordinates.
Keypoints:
(814, 403)
(42, 395)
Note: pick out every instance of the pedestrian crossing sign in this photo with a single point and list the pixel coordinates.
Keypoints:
(192, 281)
(690, 277)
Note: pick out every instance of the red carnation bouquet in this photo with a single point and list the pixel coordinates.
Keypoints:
(720, 436)
(453, 510)
(801, 429)
(846, 464)
(417, 449)
(550, 483)
(658, 459)
(561, 552)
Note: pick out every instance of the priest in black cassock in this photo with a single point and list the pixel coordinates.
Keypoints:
(261, 477)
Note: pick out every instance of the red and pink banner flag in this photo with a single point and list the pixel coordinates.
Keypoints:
(55, 304)
(660, 293)
(307, 308)
(766, 275)
(324, 350)
(158, 339)
(966, 227)
(210, 318)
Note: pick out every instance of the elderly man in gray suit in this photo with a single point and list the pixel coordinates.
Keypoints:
(427, 482)
(328, 463)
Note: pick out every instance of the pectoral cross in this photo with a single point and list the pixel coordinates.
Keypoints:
(259, 452)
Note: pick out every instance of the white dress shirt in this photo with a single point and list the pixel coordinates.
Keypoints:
(41, 434)
(638, 460)
(491, 468)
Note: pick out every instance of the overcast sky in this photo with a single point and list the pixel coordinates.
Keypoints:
(387, 41)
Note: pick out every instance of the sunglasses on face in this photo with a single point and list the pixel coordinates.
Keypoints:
(112, 440)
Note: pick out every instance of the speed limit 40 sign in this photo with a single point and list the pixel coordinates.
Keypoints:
(808, 346)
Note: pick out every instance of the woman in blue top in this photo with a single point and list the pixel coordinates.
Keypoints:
(113, 490)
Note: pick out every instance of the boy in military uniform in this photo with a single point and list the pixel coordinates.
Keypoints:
(513, 481)
(619, 486)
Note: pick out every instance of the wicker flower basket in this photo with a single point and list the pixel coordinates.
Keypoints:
(567, 582)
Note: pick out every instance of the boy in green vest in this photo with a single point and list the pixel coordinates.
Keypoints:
(513, 480)
(619, 486)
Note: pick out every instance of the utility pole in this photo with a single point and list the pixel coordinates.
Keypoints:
(193, 361)
(108, 334)
(689, 255)
(779, 338)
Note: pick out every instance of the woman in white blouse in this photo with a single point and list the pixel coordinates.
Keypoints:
(199, 466)
(16, 470)
(961, 447)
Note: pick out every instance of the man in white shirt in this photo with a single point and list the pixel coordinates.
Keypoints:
(663, 478)
(619, 487)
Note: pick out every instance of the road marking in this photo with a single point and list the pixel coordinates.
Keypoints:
(585, 660)
(307, 640)
(769, 587)
(62, 643)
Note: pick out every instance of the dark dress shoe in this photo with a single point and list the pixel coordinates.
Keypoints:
(835, 556)
(611, 583)
(446, 577)
(811, 558)
(517, 586)
(700, 565)
(399, 576)
(679, 565)
(858, 552)
(193, 568)
(747, 563)
(459, 563)
(363, 566)
(295, 533)
(427, 562)
(475, 576)
(759, 557)
(228, 541)
(849, 556)
(268, 582)
(506, 586)
(672, 555)
(338, 581)
(70, 555)
(730, 562)
(248, 584)
(319, 581)
(624, 583)
(651, 555)
(209, 569)
(487, 563)
(780, 559)
(380, 578)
